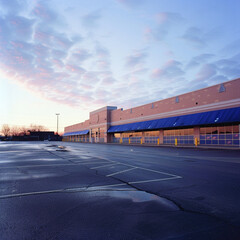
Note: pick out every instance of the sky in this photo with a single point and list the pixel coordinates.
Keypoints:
(73, 57)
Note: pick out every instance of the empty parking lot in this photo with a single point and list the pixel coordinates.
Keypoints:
(54, 190)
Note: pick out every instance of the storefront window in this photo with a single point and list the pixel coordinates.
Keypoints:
(183, 136)
(223, 135)
(151, 133)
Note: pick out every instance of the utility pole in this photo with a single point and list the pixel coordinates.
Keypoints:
(57, 121)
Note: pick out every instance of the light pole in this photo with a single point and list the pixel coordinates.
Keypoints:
(57, 121)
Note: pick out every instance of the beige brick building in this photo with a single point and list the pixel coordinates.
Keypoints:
(206, 116)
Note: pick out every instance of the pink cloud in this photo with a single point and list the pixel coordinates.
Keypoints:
(74, 69)
(170, 69)
(162, 17)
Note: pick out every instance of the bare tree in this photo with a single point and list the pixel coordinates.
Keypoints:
(15, 131)
(36, 128)
(5, 130)
(23, 131)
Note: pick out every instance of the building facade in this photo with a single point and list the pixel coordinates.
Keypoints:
(209, 116)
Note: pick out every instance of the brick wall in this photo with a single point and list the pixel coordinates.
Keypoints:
(206, 99)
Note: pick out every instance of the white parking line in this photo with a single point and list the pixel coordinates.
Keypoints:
(145, 169)
(150, 170)
(155, 180)
(169, 174)
(82, 189)
(43, 165)
(127, 170)
(92, 162)
(30, 193)
(108, 165)
(86, 189)
(84, 161)
(97, 187)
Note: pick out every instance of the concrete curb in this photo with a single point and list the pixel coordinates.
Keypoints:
(168, 145)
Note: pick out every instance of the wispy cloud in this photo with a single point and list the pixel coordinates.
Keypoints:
(164, 21)
(91, 19)
(232, 47)
(169, 70)
(12, 7)
(48, 61)
(195, 36)
(43, 12)
(131, 3)
(136, 59)
(167, 18)
(199, 60)
(206, 71)
(71, 67)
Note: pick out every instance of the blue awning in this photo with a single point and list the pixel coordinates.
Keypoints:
(76, 133)
(230, 115)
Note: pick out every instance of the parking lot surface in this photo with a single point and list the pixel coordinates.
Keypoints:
(60, 190)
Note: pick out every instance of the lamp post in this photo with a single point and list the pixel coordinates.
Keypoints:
(57, 121)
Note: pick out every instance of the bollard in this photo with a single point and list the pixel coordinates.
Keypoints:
(196, 141)
(129, 140)
(175, 141)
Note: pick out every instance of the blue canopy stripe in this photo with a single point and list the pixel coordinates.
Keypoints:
(76, 133)
(230, 115)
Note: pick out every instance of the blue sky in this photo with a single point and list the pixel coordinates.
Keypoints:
(72, 57)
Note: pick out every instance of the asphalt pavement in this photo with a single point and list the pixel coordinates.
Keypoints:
(61, 190)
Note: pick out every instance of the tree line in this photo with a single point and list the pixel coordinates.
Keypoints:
(8, 131)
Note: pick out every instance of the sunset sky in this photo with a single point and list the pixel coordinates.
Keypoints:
(75, 56)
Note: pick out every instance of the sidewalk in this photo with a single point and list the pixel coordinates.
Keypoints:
(220, 147)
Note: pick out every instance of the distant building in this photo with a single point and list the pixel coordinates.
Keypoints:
(38, 136)
(209, 116)
(42, 135)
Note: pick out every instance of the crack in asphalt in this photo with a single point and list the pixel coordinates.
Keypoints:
(178, 205)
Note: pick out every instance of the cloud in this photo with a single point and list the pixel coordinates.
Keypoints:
(43, 12)
(169, 70)
(102, 57)
(196, 37)
(135, 77)
(206, 71)
(12, 7)
(21, 27)
(131, 3)
(74, 69)
(136, 59)
(108, 81)
(59, 54)
(165, 21)
(79, 55)
(229, 67)
(91, 19)
(90, 77)
(47, 61)
(15, 28)
(232, 47)
(164, 18)
(101, 51)
(217, 71)
(199, 60)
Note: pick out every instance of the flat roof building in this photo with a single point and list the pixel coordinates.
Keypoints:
(206, 116)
